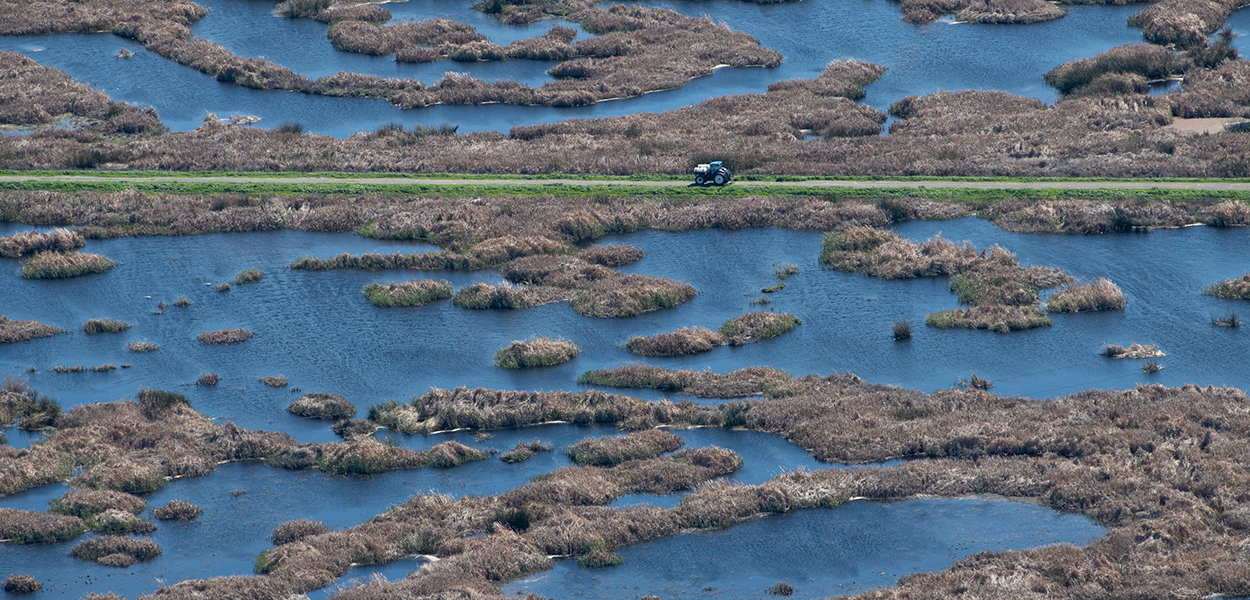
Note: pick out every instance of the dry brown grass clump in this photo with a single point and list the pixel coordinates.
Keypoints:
(58, 265)
(1003, 294)
(996, 318)
(119, 522)
(418, 292)
(207, 379)
(276, 381)
(751, 381)
(558, 271)
(981, 11)
(757, 326)
(38, 95)
(609, 255)
(1237, 288)
(21, 584)
(177, 510)
(682, 342)
(448, 220)
(88, 503)
(116, 550)
(104, 368)
(1091, 217)
(483, 296)
(630, 296)
(525, 451)
(294, 531)
(225, 336)
(1100, 294)
(535, 352)
(322, 406)
(612, 451)
(886, 255)
(482, 409)
(1145, 60)
(94, 326)
(142, 346)
(136, 447)
(29, 527)
(249, 276)
(26, 243)
(1132, 351)
(1184, 23)
(20, 331)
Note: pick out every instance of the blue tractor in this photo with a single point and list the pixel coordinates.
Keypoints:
(715, 173)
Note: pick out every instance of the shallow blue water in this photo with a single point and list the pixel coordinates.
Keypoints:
(1240, 24)
(234, 528)
(810, 34)
(249, 28)
(319, 331)
(859, 546)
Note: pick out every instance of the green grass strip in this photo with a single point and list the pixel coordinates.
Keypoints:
(596, 177)
(973, 196)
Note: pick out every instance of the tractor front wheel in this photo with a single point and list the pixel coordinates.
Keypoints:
(700, 179)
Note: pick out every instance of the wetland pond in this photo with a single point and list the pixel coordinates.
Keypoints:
(921, 60)
(318, 330)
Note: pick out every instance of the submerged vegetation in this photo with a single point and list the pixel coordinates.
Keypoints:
(535, 352)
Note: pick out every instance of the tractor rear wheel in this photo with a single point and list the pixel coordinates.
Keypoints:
(721, 178)
(700, 179)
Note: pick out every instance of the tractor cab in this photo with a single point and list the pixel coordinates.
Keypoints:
(714, 173)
